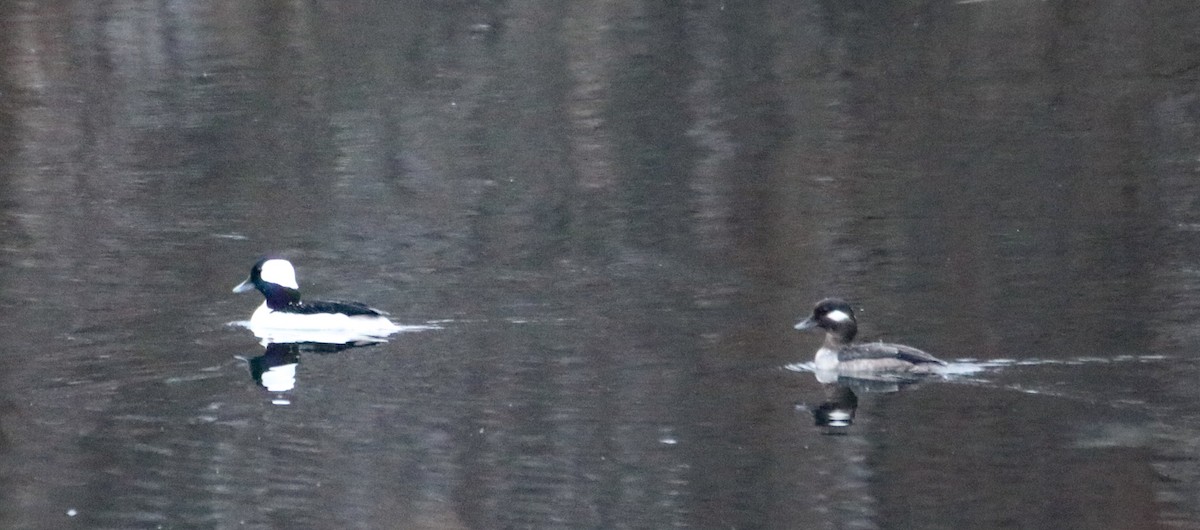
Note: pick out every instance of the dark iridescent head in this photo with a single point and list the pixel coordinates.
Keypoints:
(833, 315)
(275, 279)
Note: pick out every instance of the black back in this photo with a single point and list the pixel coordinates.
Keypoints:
(329, 306)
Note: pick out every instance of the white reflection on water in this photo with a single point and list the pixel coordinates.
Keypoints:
(280, 378)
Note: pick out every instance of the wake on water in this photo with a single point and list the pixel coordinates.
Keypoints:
(973, 372)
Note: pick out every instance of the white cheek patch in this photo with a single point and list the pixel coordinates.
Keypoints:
(279, 271)
(837, 316)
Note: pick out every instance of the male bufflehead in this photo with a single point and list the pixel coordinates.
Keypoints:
(283, 310)
(839, 354)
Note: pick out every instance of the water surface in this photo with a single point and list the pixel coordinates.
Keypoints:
(612, 212)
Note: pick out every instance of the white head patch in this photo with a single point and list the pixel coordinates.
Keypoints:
(279, 271)
(837, 316)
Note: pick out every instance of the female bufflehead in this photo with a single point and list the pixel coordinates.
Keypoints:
(838, 353)
(276, 280)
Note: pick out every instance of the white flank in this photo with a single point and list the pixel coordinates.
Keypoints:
(826, 359)
(264, 317)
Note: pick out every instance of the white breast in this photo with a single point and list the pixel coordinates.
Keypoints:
(827, 359)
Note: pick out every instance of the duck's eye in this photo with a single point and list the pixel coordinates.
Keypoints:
(838, 316)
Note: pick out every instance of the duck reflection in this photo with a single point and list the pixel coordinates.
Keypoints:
(869, 382)
(275, 369)
(837, 411)
(838, 408)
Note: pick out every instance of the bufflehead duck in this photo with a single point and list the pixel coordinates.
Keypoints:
(840, 354)
(283, 310)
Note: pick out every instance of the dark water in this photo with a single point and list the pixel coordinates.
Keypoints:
(614, 211)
